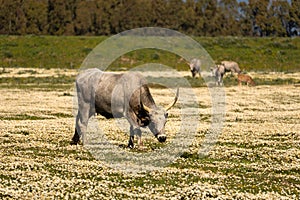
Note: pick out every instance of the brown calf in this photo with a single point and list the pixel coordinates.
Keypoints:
(245, 78)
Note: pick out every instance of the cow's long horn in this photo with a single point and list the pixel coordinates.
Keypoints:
(173, 103)
(146, 108)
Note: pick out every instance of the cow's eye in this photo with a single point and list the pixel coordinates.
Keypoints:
(166, 115)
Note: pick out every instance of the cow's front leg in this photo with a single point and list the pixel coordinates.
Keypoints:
(221, 80)
(75, 138)
(239, 83)
(134, 131)
(130, 142)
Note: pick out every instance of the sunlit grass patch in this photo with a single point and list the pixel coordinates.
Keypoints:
(22, 117)
(242, 175)
(42, 116)
(228, 81)
(256, 154)
(31, 80)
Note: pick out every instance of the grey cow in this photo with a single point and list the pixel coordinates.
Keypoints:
(195, 66)
(231, 66)
(218, 72)
(119, 95)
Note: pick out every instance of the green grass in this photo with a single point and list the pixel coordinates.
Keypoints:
(235, 172)
(22, 117)
(45, 51)
(240, 175)
(62, 82)
(232, 81)
(252, 54)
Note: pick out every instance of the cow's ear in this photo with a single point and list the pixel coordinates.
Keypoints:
(143, 121)
(143, 117)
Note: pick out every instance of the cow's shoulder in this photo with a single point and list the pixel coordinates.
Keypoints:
(89, 75)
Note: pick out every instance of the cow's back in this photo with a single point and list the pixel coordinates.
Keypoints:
(116, 92)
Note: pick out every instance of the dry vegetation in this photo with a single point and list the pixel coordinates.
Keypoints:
(257, 156)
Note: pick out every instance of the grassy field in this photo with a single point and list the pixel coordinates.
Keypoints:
(255, 157)
(252, 54)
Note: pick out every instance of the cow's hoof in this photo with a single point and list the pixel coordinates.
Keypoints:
(75, 139)
(162, 138)
(73, 143)
(130, 146)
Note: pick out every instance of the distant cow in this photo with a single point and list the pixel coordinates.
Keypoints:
(195, 66)
(218, 72)
(231, 66)
(119, 95)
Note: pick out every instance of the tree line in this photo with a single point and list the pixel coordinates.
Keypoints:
(192, 17)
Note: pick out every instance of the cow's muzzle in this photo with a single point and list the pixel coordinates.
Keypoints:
(161, 138)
